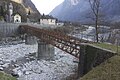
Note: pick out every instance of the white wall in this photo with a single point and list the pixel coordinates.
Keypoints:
(52, 21)
(48, 21)
(17, 18)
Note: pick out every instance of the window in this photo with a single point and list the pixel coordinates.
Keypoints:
(17, 17)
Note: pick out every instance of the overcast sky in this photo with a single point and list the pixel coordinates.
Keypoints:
(46, 6)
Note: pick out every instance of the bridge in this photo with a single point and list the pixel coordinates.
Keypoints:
(89, 56)
(62, 41)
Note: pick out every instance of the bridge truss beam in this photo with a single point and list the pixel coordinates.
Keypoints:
(64, 42)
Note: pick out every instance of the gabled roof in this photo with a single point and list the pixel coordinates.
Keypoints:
(47, 17)
(15, 14)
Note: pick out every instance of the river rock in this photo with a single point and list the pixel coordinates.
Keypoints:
(1, 62)
(5, 65)
(14, 74)
(1, 68)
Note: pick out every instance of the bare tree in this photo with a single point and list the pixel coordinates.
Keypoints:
(95, 7)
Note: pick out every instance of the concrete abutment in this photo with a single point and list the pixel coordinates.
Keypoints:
(92, 56)
(45, 51)
(30, 40)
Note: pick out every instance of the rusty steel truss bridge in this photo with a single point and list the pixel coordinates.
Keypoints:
(62, 41)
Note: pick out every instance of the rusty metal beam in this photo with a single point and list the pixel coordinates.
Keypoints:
(64, 42)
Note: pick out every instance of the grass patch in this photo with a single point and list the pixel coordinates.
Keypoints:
(108, 46)
(109, 70)
(4, 76)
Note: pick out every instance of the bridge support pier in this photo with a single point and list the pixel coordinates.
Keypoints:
(30, 40)
(45, 51)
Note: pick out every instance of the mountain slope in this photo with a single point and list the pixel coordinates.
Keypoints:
(34, 12)
(79, 10)
(22, 9)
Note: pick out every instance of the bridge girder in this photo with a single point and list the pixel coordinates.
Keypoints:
(64, 42)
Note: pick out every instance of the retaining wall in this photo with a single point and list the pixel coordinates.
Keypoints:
(12, 29)
(92, 56)
(8, 29)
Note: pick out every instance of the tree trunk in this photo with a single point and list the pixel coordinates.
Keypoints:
(96, 28)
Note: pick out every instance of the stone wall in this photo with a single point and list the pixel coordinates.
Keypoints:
(8, 30)
(92, 56)
(12, 29)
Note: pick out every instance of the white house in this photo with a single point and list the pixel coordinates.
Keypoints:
(17, 18)
(49, 20)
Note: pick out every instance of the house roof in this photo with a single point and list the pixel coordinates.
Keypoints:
(15, 14)
(47, 17)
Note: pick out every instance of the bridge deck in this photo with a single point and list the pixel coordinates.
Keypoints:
(64, 42)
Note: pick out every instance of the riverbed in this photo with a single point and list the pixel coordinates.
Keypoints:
(20, 59)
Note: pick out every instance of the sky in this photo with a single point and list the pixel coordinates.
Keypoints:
(46, 6)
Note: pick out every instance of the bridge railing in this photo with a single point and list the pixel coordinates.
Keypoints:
(64, 42)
